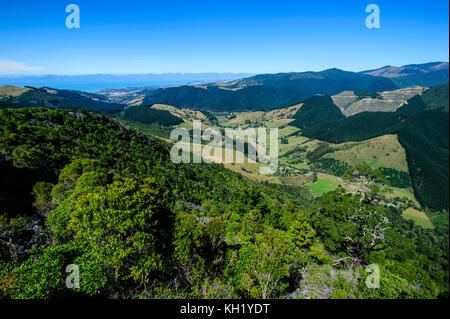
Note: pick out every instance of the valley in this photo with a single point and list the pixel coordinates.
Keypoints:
(384, 152)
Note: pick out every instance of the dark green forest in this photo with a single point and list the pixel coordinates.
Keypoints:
(315, 110)
(148, 115)
(435, 97)
(81, 188)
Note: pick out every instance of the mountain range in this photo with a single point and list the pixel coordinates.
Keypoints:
(266, 91)
(270, 91)
(427, 74)
(353, 92)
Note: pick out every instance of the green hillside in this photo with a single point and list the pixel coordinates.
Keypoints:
(266, 91)
(436, 97)
(82, 189)
(315, 110)
(148, 115)
(423, 134)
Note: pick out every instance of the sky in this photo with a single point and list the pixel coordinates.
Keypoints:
(146, 36)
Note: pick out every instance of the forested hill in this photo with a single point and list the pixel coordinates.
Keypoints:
(435, 97)
(315, 110)
(423, 134)
(82, 189)
(15, 97)
(267, 91)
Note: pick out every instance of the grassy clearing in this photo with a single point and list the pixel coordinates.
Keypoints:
(272, 118)
(403, 193)
(323, 186)
(10, 90)
(185, 114)
(325, 183)
(418, 217)
(288, 130)
(153, 129)
(382, 151)
(293, 142)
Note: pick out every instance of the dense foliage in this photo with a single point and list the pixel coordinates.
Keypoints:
(148, 115)
(318, 152)
(331, 165)
(315, 110)
(435, 97)
(396, 178)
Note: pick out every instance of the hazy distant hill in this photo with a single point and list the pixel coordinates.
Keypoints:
(433, 98)
(427, 74)
(267, 91)
(12, 96)
(95, 82)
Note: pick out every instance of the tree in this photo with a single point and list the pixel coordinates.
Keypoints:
(272, 262)
(80, 177)
(260, 267)
(42, 194)
(301, 232)
(121, 223)
(198, 246)
(188, 241)
(350, 225)
(43, 275)
(371, 182)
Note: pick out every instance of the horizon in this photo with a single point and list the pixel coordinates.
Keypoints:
(98, 82)
(147, 37)
(206, 73)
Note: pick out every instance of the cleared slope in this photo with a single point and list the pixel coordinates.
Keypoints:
(388, 101)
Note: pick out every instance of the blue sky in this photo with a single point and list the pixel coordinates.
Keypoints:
(145, 36)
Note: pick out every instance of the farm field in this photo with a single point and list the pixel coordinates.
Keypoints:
(419, 217)
(325, 183)
(383, 151)
(403, 193)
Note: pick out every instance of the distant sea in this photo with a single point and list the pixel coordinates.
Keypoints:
(94, 87)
